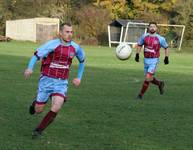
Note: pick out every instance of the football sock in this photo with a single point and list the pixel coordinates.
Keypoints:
(46, 120)
(155, 81)
(144, 87)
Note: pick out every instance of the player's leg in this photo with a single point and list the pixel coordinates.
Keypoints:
(145, 84)
(150, 65)
(43, 93)
(39, 107)
(57, 102)
(32, 108)
(152, 69)
(155, 81)
(36, 107)
(58, 98)
(160, 85)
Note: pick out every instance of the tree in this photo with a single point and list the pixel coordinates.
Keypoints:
(93, 23)
(117, 8)
(183, 14)
(6, 13)
(153, 10)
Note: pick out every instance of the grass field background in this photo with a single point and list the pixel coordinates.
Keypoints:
(102, 114)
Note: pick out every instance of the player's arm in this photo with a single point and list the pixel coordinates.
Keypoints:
(139, 46)
(166, 52)
(138, 49)
(164, 44)
(166, 59)
(40, 52)
(28, 72)
(81, 58)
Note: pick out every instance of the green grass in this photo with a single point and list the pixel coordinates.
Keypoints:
(102, 114)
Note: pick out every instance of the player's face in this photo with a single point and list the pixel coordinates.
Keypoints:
(152, 28)
(66, 33)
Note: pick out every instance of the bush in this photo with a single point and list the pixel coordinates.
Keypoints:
(90, 41)
(188, 43)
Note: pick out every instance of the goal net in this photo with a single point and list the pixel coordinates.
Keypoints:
(133, 30)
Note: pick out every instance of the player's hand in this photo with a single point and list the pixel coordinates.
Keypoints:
(166, 60)
(28, 73)
(137, 57)
(76, 82)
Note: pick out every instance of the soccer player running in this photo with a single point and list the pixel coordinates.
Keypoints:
(152, 43)
(56, 56)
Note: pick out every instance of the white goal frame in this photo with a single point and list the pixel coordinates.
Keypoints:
(145, 24)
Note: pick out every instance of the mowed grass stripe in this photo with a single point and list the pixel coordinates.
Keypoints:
(102, 114)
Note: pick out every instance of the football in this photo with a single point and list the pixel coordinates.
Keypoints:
(123, 51)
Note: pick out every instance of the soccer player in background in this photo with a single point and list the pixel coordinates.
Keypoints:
(56, 56)
(152, 43)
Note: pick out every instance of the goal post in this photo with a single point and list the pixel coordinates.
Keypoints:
(169, 29)
(117, 38)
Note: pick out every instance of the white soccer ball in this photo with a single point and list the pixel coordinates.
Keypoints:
(123, 51)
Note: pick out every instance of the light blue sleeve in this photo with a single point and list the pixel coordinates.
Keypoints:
(80, 70)
(46, 48)
(163, 42)
(141, 40)
(80, 55)
(32, 62)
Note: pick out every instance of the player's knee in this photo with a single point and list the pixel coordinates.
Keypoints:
(39, 109)
(149, 77)
(56, 108)
(57, 103)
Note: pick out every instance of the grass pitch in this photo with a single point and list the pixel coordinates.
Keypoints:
(102, 114)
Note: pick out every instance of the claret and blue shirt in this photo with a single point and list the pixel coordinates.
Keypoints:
(152, 44)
